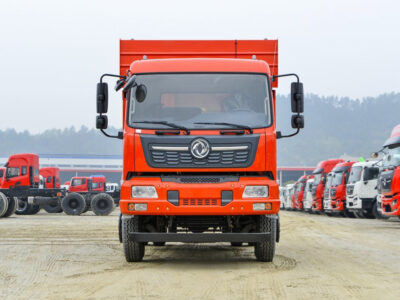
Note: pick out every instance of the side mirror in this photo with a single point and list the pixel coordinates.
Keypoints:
(374, 155)
(297, 121)
(297, 97)
(130, 83)
(102, 98)
(141, 93)
(119, 84)
(101, 122)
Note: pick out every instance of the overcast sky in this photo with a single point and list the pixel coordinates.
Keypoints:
(53, 52)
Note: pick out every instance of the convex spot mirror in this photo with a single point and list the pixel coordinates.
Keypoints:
(297, 97)
(297, 121)
(130, 83)
(141, 93)
(101, 122)
(374, 155)
(102, 98)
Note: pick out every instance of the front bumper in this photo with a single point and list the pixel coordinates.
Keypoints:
(391, 206)
(317, 204)
(338, 205)
(200, 198)
(359, 204)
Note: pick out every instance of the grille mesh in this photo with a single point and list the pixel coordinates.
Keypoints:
(200, 202)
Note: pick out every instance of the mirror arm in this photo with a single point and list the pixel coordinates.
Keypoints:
(286, 75)
(111, 75)
(280, 136)
(120, 135)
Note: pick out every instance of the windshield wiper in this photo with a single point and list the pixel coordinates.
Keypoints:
(172, 125)
(227, 124)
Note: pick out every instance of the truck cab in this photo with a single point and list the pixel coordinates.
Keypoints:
(307, 203)
(301, 192)
(51, 176)
(288, 196)
(98, 183)
(199, 142)
(80, 184)
(338, 188)
(361, 189)
(327, 194)
(22, 170)
(320, 177)
(389, 177)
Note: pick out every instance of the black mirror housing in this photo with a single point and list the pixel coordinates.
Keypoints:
(130, 83)
(101, 122)
(297, 97)
(102, 98)
(297, 121)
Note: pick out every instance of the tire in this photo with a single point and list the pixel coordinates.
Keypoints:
(265, 251)
(102, 204)
(3, 204)
(120, 227)
(53, 208)
(133, 251)
(73, 204)
(33, 209)
(23, 207)
(12, 207)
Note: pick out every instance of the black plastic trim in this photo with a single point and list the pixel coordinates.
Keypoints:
(226, 197)
(173, 197)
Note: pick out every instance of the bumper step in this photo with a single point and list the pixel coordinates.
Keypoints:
(198, 237)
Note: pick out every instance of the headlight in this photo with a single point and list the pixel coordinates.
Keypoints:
(144, 192)
(255, 191)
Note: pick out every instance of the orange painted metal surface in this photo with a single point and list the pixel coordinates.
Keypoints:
(51, 175)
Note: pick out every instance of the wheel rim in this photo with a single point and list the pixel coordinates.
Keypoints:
(102, 204)
(74, 203)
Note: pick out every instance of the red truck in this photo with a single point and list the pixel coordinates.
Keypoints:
(320, 173)
(86, 193)
(299, 195)
(338, 189)
(20, 186)
(199, 142)
(389, 177)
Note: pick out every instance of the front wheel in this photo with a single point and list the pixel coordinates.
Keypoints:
(265, 251)
(133, 251)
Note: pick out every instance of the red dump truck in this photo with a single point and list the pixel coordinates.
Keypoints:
(320, 173)
(389, 177)
(20, 190)
(199, 142)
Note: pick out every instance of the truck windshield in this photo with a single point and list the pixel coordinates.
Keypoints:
(189, 99)
(337, 178)
(355, 174)
(392, 157)
(76, 182)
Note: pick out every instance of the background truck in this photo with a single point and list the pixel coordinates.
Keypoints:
(338, 189)
(20, 187)
(199, 141)
(86, 193)
(389, 177)
(51, 179)
(327, 195)
(299, 197)
(320, 173)
(362, 190)
(308, 198)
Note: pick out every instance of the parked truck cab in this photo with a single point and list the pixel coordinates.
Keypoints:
(300, 192)
(80, 184)
(22, 170)
(307, 203)
(338, 188)
(320, 174)
(51, 176)
(362, 191)
(327, 194)
(98, 183)
(389, 178)
(199, 162)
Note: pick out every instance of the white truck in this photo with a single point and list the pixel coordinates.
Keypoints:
(327, 204)
(308, 198)
(362, 191)
(288, 196)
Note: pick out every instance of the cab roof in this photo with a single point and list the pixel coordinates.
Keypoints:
(206, 65)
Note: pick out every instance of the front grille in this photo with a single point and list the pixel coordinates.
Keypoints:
(333, 193)
(214, 158)
(200, 202)
(200, 179)
(350, 189)
(386, 181)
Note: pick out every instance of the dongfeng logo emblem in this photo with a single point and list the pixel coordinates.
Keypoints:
(200, 148)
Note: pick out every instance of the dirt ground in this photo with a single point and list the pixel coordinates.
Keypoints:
(57, 256)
